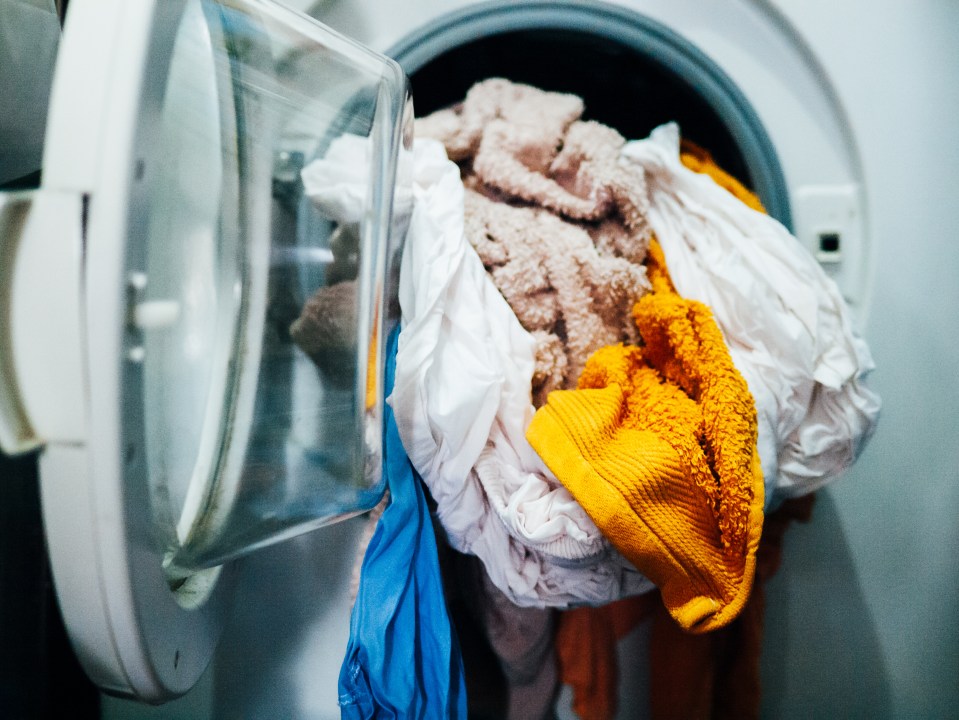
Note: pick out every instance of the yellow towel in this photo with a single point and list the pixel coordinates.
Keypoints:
(658, 444)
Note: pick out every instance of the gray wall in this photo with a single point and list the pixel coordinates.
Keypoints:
(864, 615)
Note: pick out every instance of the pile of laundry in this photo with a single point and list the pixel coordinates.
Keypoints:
(612, 365)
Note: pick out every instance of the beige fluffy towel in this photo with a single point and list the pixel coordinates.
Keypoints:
(558, 223)
(571, 298)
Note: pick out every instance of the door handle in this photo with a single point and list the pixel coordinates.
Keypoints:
(42, 383)
(16, 432)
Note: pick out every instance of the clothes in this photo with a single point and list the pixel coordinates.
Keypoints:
(326, 328)
(402, 659)
(713, 675)
(461, 400)
(717, 676)
(338, 185)
(587, 637)
(461, 129)
(537, 174)
(701, 161)
(369, 527)
(529, 145)
(326, 331)
(462, 403)
(658, 444)
(570, 284)
(521, 640)
(586, 640)
(557, 283)
(787, 327)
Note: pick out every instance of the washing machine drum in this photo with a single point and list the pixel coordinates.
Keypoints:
(632, 73)
(739, 80)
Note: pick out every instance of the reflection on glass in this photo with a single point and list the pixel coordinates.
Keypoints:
(261, 309)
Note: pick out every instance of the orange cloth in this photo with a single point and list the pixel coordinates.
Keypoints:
(658, 444)
(372, 377)
(586, 640)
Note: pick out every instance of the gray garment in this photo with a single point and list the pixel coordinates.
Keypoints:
(508, 651)
(522, 639)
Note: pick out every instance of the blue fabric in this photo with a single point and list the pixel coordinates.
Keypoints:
(402, 660)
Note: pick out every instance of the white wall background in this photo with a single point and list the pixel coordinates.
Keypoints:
(863, 618)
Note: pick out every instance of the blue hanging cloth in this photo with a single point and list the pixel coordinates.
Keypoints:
(402, 660)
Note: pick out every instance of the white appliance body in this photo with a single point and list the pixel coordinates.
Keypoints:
(858, 100)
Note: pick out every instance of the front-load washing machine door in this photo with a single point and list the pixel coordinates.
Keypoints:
(194, 344)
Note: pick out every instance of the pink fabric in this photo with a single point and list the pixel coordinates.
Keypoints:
(558, 222)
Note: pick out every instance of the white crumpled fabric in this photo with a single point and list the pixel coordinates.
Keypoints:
(787, 326)
(462, 403)
(461, 398)
(338, 184)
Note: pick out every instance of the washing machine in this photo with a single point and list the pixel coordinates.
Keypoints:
(230, 597)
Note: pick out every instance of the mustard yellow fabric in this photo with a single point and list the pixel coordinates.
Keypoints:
(658, 444)
(372, 379)
(699, 160)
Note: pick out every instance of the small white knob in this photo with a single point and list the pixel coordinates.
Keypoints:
(138, 281)
(154, 314)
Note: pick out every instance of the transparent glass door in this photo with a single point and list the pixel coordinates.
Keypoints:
(257, 313)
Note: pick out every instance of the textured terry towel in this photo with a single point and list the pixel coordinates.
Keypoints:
(558, 221)
(572, 298)
(402, 660)
(658, 444)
